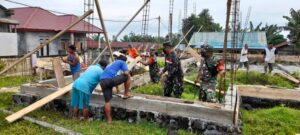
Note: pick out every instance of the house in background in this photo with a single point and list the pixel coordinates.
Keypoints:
(8, 35)
(256, 41)
(38, 25)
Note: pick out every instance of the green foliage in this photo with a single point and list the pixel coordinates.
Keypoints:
(2, 65)
(140, 38)
(13, 81)
(255, 78)
(272, 32)
(203, 19)
(278, 120)
(293, 26)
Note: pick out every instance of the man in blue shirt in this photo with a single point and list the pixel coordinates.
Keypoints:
(84, 86)
(73, 61)
(110, 79)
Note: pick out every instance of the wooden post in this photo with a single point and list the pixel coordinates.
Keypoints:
(49, 41)
(104, 30)
(56, 62)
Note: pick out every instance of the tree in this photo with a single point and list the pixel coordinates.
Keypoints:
(131, 37)
(203, 19)
(272, 32)
(293, 26)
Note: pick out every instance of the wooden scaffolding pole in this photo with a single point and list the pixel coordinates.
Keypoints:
(104, 30)
(48, 41)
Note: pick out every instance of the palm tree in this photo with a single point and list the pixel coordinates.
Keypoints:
(293, 26)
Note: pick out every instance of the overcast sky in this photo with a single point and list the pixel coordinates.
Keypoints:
(266, 11)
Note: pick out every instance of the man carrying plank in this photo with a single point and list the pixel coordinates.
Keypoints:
(110, 79)
(84, 86)
(74, 62)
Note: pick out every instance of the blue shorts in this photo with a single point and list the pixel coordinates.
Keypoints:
(79, 99)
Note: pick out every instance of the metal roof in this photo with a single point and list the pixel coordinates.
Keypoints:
(255, 40)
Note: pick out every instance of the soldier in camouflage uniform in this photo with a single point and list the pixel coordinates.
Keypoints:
(153, 66)
(209, 69)
(174, 81)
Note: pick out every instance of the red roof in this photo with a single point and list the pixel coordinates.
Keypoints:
(138, 45)
(38, 19)
(91, 43)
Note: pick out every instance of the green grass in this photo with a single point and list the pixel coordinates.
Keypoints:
(161, 63)
(274, 121)
(6, 99)
(13, 81)
(96, 127)
(157, 89)
(252, 78)
(255, 78)
(20, 127)
(99, 127)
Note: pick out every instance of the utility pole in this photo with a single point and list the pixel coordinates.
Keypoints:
(171, 6)
(158, 18)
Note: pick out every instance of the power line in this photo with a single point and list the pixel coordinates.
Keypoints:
(62, 13)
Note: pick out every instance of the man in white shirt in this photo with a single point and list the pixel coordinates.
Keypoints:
(244, 58)
(269, 56)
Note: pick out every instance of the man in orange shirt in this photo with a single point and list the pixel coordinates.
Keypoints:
(132, 52)
(153, 66)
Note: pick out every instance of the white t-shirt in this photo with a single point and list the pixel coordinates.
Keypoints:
(244, 58)
(270, 55)
(33, 60)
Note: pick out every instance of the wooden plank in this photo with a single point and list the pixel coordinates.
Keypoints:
(288, 77)
(38, 104)
(266, 92)
(58, 73)
(197, 84)
(48, 41)
(194, 54)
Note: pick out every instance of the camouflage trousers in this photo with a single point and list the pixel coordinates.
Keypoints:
(154, 75)
(175, 85)
(208, 92)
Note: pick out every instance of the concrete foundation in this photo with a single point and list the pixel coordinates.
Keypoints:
(199, 117)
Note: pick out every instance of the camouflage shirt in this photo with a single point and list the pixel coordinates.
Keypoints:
(205, 71)
(173, 65)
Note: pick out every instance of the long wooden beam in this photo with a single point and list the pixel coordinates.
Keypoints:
(184, 37)
(104, 30)
(49, 41)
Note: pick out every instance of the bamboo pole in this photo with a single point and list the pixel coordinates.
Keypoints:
(184, 36)
(116, 37)
(104, 31)
(49, 41)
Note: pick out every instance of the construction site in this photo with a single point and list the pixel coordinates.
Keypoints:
(122, 68)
